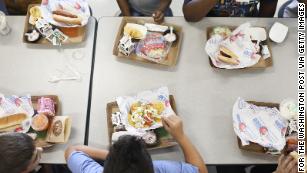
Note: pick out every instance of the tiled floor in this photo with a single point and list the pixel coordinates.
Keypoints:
(110, 8)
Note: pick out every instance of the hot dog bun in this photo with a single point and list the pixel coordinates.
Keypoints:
(227, 56)
(228, 60)
(67, 20)
(12, 120)
(64, 13)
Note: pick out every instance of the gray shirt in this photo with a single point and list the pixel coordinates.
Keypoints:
(146, 7)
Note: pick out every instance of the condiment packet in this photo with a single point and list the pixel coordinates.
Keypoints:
(261, 125)
(56, 37)
(160, 95)
(265, 52)
(60, 35)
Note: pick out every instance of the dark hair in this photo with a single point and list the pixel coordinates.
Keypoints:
(128, 155)
(16, 150)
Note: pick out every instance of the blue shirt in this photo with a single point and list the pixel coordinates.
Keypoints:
(79, 162)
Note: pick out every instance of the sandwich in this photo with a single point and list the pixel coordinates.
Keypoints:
(10, 122)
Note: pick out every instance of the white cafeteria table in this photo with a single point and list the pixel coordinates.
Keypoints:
(204, 96)
(26, 69)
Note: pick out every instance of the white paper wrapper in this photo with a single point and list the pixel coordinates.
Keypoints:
(10, 105)
(160, 94)
(238, 42)
(260, 125)
(78, 7)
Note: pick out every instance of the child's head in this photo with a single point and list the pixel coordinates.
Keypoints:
(18, 153)
(128, 155)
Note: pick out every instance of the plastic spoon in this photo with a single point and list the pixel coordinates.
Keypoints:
(170, 37)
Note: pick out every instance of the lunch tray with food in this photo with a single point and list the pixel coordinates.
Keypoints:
(155, 139)
(286, 125)
(254, 147)
(139, 39)
(37, 117)
(44, 32)
(58, 127)
(230, 58)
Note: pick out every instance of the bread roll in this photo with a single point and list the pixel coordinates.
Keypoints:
(12, 120)
(67, 20)
(228, 52)
(228, 60)
(64, 13)
(227, 56)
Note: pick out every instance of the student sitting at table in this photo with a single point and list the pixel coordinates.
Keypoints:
(195, 10)
(19, 7)
(129, 155)
(3, 7)
(289, 8)
(286, 164)
(18, 153)
(155, 8)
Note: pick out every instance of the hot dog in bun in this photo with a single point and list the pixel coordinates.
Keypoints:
(66, 17)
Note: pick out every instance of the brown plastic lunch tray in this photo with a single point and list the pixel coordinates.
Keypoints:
(78, 36)
(174, 51)
(165, 140)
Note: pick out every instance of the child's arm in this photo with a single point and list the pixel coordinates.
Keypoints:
(94, 153)
(124, 7)
(159, 13)
(164, 5)
(173, 124)
(267, 8)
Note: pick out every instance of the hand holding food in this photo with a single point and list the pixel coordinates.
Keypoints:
(173, 124)
(286, 164)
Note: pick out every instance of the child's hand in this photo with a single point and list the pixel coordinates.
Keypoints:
(286, 164)
(173, 124)
(158, 16)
